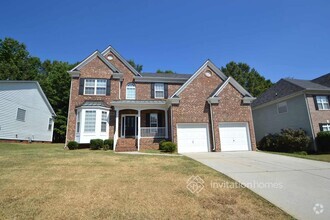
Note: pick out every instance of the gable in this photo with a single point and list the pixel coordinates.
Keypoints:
(95, 68)
(90, 58)
(207, 66)
(119, 61)
(281, 89)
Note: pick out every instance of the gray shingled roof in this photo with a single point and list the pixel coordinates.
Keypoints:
(167, 75)
(307, 84)
(95, 104)
(289, 86)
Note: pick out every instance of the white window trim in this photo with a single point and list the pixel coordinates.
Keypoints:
(327, 125)
(106, 121)
(322, 102)
(286, 104)
(95, 86)
(158, 90)
(153, 129)
(78, 123)
(50, 124)
(94, 123)
(131, 86)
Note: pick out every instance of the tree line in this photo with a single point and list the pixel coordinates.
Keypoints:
(16, 63)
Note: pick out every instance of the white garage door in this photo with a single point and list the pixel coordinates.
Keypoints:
(192, 138)
(234, 136)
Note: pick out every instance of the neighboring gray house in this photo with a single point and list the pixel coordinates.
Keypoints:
(293, 103)
(25, 113)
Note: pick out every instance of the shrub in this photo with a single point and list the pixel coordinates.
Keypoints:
(108, 144)
(96, 144)
(288, 140)
(293, 140)
(72, 145)
(161, 146)
(323, 141)
(168, 146)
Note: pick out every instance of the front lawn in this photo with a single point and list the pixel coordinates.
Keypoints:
(320, 157)
(44, 181)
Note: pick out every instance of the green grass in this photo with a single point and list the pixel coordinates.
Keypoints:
(319, 157)
(153, 151)
(44, 181)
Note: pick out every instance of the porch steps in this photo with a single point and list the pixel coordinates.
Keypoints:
(126, 144)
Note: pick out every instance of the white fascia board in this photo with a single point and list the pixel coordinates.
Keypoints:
(91, 57)
(121, 58)
(236, 86)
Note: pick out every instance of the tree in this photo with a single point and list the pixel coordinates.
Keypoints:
(138, 67)
(16, 62)
(166, 71)
(249, 78)
(55, 81)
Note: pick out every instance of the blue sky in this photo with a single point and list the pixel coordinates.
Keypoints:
(279, 38)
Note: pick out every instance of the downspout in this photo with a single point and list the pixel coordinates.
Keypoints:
(310, 122)
(212, 128)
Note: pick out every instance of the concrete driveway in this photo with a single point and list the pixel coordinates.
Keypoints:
(300, 187)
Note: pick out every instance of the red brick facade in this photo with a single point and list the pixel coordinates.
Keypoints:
(317, 116)
(193, 106)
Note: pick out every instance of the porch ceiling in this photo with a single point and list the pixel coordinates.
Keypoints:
(140, 104)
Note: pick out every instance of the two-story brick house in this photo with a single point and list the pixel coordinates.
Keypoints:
(205, 111)
(294, 103)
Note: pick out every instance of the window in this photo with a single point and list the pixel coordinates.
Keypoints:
(104, 121)
(282, 107)
(153, 120)
(159, 90)
(130, 91)
(20, 114)
(322, 102)
(90, 118)
(325, 127)
(78, 122)
(95, 86)
(50, 124)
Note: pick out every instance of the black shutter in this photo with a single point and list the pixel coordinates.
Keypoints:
(148, 120)
(108, 86)
(165, 90)
(315, 102)
(321, 128)
(81, 86)
(160, 120)
(152, 90)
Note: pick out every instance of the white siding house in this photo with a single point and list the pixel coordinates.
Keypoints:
(25, 113)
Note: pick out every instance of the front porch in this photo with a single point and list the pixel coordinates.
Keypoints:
(145, 123)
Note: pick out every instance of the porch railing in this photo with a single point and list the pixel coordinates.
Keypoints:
(154, 132)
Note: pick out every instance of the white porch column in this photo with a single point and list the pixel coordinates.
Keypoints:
(166, 125)
(115, 138)
(139, 128)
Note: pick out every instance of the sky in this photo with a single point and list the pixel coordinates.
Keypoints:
(289, 38)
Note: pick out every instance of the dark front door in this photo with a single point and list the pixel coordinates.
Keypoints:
(130, 126)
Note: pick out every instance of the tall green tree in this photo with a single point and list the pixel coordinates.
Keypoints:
(55, 82)
(136, 66)
(249, 78)
(15, 61)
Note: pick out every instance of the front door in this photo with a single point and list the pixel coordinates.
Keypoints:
(130, 126)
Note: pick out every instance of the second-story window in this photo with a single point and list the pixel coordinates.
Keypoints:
(95, 87)
(159, 90)
(322, 102)
(130, 91)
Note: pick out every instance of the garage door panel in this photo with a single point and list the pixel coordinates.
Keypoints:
(234, 136)
(192, 138)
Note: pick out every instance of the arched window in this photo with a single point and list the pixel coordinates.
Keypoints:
(130, 91)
